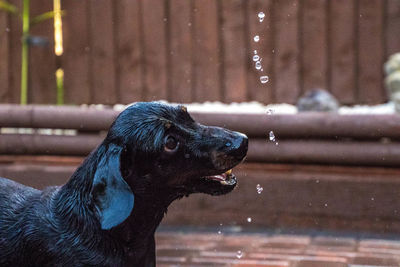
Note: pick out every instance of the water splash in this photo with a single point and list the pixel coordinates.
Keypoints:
(239, 254)
(256, 38)
(259, 189)
(261, 16)
(270, 111)
(264, 79)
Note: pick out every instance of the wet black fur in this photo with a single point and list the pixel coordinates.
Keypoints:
(61, 226)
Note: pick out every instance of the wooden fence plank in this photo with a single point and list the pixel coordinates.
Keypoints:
(4, 62)
(264, 29)
(15, 54)
(392, 15)
(128, 51)
(42, 59)
(76, 57)
(207, 84)
(102, 52)
(370, 47)
(314, 45)
(234, 51)
(183, 50)
(286, 65)
(342, 52)
(155, 52)
(180, 28)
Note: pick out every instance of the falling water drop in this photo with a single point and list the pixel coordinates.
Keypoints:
(271, 136)
(258, 65)
(256, 58)
(261, 16)
(239, 254)
(256, 38)
(259, 189)
(249, 219)
(264, 79)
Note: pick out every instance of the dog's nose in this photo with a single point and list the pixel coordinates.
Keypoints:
(239, 146)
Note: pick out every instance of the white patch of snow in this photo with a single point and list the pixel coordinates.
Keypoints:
(387, 108)
(259, 108)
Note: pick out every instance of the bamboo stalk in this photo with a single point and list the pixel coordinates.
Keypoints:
(25, 52)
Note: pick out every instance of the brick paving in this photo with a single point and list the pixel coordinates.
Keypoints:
(273, 250)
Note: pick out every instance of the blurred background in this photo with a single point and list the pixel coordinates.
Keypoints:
(318, 188)
(202, 50)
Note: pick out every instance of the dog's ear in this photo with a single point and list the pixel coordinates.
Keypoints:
(112, 195)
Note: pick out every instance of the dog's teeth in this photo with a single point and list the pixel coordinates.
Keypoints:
(228, 182)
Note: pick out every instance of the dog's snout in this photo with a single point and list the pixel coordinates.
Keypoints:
(239, 146)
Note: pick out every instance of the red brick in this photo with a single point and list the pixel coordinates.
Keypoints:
(311, 263)
(241, 262)
(376, 261)
(298, 258)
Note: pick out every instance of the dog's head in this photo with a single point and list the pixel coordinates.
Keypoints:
(159, 148)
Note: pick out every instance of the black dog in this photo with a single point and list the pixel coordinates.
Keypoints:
(108, 211)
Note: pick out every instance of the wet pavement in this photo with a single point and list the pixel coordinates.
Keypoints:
(274, 250)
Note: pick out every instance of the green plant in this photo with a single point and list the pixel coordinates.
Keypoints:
(26, 24)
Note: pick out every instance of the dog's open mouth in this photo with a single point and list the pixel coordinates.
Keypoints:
(226, 178)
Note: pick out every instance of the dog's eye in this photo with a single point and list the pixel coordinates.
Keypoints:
(171, 144)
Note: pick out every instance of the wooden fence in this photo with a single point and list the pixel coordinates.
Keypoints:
(198, 50)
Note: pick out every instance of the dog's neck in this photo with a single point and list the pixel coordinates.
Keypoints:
(151, 203)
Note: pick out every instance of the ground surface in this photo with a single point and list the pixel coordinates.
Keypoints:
(274, 250)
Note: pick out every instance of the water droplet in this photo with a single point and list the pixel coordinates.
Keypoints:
(189, 24)
(317, 181)
(261, 16)
(271, 136)
(264, 79)
(219, 232)
(372, 198)
(165, 19)
(276, 143)
(239, 254)
(255, 52)
(256, 38)
(259, 189)
(256, 57)
(249, 219)
(258, 65)
(326, 205)
(270, 111)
